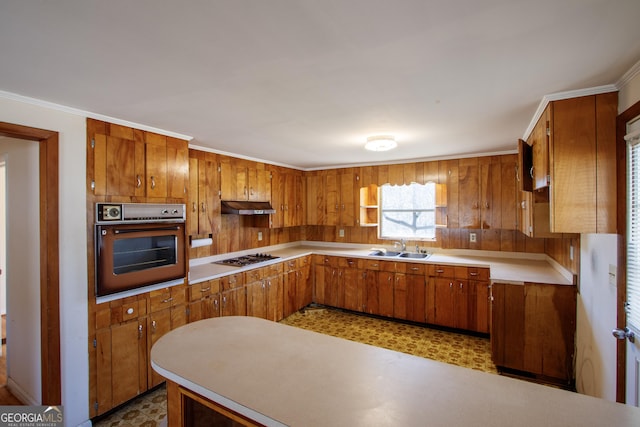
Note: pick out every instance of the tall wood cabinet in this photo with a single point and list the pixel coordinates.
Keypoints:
(573, 160)
(203, 209)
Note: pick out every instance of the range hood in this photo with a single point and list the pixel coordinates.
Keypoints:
(243, 207)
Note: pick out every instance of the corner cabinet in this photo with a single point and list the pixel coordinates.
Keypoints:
(573, 158)
(533, 329)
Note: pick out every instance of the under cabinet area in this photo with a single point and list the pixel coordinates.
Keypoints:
(533, 328)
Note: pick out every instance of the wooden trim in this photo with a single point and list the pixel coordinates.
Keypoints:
(621, 155)
(49, 257)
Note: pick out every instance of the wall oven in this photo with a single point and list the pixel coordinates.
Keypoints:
(138, 244)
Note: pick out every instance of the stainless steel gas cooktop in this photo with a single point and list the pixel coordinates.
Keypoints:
(241, 261)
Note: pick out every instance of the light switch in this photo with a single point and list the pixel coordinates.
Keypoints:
(341, 233)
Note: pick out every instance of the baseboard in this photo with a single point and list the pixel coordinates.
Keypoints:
(19, 393)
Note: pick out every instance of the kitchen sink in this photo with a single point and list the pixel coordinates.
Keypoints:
(413, 255)
(392, 254)
(384, 253)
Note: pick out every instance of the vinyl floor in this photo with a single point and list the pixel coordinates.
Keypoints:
(459, 349)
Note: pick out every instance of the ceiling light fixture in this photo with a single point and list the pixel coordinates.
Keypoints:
(380, 143)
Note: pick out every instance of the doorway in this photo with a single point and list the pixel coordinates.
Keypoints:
(48, 256)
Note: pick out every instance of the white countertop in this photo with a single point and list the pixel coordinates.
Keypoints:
(514, 268)
(281, 375)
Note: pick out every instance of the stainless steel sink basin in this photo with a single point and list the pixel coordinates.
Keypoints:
(413, 255)
(384, 253)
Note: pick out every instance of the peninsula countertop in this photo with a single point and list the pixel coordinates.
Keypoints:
(281, 375)
(514, 268)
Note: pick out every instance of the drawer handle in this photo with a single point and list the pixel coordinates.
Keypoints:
(414, 269)
(139, 331)
(473, 274)
(374, 265)
(205, 289)
(439, 271)
(164, 301)
(450, 285)
(153, 325)
(130, 310)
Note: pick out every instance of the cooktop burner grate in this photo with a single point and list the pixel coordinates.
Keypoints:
(244, 260)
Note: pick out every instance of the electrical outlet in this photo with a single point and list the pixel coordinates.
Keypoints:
(259, 236)
(341, 233)
(472, 237)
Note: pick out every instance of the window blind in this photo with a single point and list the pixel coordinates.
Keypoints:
(633, 230)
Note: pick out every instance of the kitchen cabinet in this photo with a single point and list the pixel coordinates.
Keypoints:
(130, 162)
(126, 329)
(458, 297)
(204, 300)
(264, 290)
(287, 198)
(233, 295)
(338, 198)
(378, 283)
(203, 209)
(256, 291)
(298, 289)
(487, 194)
(244, 180)
(351, 275)
(275, 297)
(327, 289)
(409, 292)
(533, 328)
(573, 158)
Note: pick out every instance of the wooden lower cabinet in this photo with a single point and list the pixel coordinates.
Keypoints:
(533, 328)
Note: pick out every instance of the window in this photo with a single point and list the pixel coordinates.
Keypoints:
(633, 230)
(408, 211)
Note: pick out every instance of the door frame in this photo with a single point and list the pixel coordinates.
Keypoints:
(49, 257)
(621, 154)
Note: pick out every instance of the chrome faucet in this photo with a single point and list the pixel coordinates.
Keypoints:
(402, 244)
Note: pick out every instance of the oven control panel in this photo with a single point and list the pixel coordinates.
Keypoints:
(110, 213)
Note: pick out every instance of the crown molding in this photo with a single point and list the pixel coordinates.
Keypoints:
(628, 76)
(565, 95)
(89, 114)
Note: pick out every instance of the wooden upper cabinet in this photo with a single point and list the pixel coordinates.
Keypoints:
(132, 163)
(286, 199)
(203, 210)
(241, 180)
(335, 198)
(539, 141)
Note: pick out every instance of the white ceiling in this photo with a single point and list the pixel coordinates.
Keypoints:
(303, 83)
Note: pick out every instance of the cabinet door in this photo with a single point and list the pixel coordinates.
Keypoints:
(257, 299)
(193, 208)
(347, 200)
(290, 292)
(479, 307)
(314, 200)
(372, 285)
(278, 199)
(509, 193)
(156, 165)
(461, 304)
(469, 204)
(491, 181)
(332, 198)
(259, 185)
(444, 313)
(540, 146)
(177, 164)
(304, 293)
(208, 190)
(400, 309)
(115, 172)
(233, 302)
(159, 324)
(507, 325)
(416, 298)
(275, 298)
(353, 285)
(386, 282)
(448, 174)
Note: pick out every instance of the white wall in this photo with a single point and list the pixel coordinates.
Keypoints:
(73, 247)
(23, 273)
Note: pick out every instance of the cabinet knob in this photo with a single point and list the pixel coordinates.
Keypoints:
(130, 310)
(193, 207)
(139, 331)
(153, 325)
(138, 181)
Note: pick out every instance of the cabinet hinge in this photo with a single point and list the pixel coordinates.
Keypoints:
(93, 143)
(95, 343)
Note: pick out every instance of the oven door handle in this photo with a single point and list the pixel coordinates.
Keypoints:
(142, 230)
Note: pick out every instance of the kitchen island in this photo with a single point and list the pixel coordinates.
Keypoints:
(264, 373)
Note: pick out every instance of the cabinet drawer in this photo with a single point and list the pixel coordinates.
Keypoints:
(273, 270)
(350, 262)
(231, 281)
(387, 266)
(167, 297)
(437, 270)
(290, 265)
(304, 261)
(327, 260)
(253, 275)
(411, 268)
(472, 273)
(370, 264)
(200, 290)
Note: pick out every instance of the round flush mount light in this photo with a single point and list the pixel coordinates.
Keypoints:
(380, 143)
